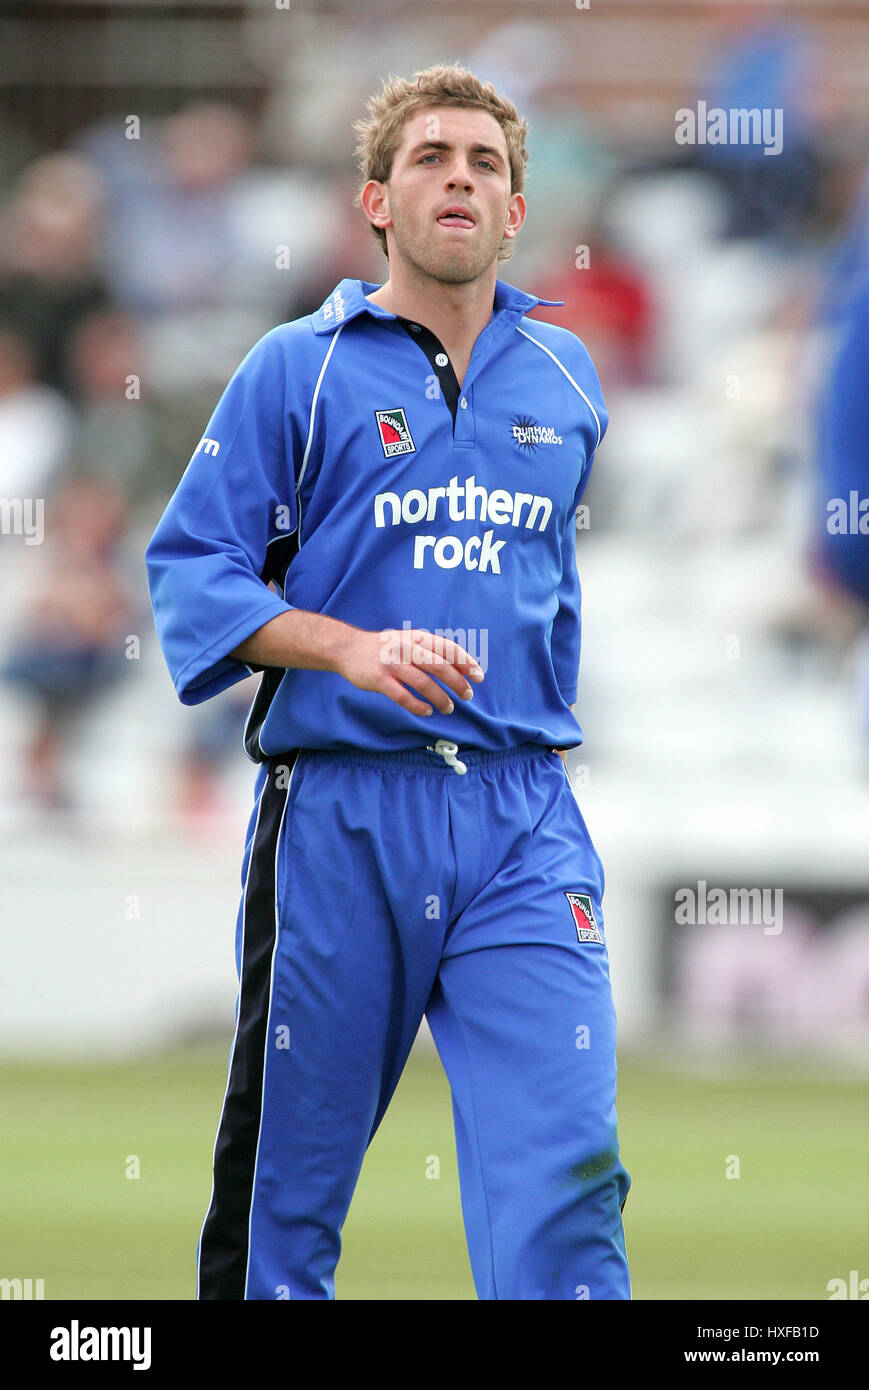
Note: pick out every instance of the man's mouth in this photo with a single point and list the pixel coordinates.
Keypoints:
(456, 219)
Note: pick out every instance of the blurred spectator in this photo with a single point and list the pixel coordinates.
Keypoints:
(68, 647)
(50, 258)
(843, 452)
(215, 741)
(849, 256)
(35, 421)
(608, 304)
(195, 222)
(174, 242)
(770, 66)
(115, 435)
(841, 532)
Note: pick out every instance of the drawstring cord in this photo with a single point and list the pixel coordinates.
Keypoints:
(448, 751)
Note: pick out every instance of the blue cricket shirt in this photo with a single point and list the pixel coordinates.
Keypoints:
(344, 465)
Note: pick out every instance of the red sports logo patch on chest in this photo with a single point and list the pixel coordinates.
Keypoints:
(395, 436)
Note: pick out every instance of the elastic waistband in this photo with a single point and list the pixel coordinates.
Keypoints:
(422, 759)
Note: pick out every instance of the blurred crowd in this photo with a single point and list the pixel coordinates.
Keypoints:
(133, 279)
(723, 294)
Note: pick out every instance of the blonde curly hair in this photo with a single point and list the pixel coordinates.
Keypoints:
(379, 135)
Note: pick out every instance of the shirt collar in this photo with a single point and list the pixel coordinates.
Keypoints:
(348, 300)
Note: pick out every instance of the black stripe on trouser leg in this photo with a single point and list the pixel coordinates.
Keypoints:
(223, 1247)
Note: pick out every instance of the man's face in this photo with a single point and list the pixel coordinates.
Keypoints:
(449, 157)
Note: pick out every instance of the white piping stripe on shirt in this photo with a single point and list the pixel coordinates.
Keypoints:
(335, 336)
(567, 374)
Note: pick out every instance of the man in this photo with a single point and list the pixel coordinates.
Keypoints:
(405, 466)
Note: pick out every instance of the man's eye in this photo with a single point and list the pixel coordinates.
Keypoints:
(488, 163)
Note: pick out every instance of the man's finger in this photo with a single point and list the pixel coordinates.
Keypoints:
(430, 662)
(428, 689)
(394, 690)
(449, 650)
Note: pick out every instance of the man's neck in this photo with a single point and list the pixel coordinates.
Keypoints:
(456, 314)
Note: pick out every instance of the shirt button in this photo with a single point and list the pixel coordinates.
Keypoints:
(442, 359)
(414, 327)
(464, 403)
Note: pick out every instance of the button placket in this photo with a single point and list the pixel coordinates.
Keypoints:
(464, 432)
(434, 352)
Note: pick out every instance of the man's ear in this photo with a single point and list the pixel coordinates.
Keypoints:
(375, 202)
(516, 210)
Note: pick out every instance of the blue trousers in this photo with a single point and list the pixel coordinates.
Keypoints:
(380, 888)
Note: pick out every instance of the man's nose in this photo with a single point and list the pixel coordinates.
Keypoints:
(460, 173)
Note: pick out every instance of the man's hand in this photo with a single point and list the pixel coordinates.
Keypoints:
(389, 661)
(386, 662)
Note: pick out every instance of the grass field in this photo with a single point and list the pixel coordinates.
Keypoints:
(795, 1218)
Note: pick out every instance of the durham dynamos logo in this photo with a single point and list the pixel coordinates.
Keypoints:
(395, 436)
(528, 434)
